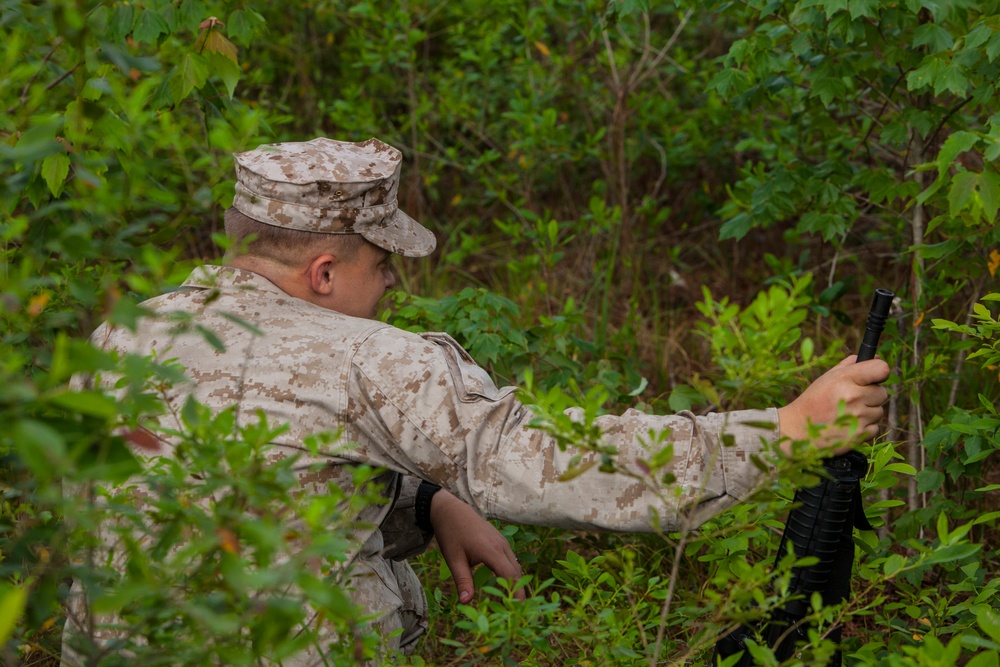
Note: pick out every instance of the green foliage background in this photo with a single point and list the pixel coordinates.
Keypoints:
(677, 205)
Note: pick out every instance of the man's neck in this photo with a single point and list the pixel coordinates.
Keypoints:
(279, 274)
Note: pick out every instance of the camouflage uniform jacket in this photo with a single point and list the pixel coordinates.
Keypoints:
(419, 405)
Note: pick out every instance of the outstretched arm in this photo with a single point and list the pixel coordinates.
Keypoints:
(466, 539)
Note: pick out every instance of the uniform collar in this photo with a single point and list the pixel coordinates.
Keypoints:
(228, 278)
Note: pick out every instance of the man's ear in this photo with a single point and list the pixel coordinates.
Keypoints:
(319, 274)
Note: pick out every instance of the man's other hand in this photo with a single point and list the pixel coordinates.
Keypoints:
(466, 540)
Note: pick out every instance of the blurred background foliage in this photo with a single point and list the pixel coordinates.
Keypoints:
(671, 205)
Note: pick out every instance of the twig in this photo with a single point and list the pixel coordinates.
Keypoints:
(960, 361)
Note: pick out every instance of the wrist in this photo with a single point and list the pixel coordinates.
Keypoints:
(422, 506)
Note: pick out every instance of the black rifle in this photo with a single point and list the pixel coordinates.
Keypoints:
(820, 524)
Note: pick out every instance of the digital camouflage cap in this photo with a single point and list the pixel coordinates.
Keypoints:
(331, 187)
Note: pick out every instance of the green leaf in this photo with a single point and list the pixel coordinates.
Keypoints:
(989, 195)
(963, 186)
(926, 75)
(225, 69)
(988, 621)
(993, 47)
(149, 27)
(114, 132)
(953, 79)
(827, 88)
(942, 527)
(863, 8)
(806, 349)
(730, 82)
(55, 169)
(929, 480)
(684, 397)
(987, 518)
(955, 145)
(934, 36)
(736, 227)
(951, 553)
(901, 468)
(12, 602)
(41, 447)
(216, 42)
(36, 143)
(91, 403)
(893, 564)
(240, 26)
(190, 74)
(977, 36)
(984, 659)
(121, 21)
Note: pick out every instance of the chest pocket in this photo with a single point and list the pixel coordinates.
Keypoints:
(475, 383)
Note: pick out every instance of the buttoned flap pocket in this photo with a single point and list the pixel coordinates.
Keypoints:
(475, 383)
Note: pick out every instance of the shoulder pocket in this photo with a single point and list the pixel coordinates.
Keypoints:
(475, 383)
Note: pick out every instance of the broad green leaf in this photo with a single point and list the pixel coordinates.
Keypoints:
(938, 250)
(114, 132)
(684, 397)
(191, 73)
(926, 75)
(91, 403)
(827, 88)
(736, 227)
(952, 79)
(240, 26)
(929, 480)
(730, 82)
(993, 47)
(934, 36)
(863, 8)
(955, 145)
(41, 446)
(36, 143)
(963, 186)
(989, 194)
(120, 23)
(977, 36)
(225, 69)
(149, 26)
(988, 621)
(985, 659)
(216, 42)
(893, 564)
(12, 603)
(55, 169)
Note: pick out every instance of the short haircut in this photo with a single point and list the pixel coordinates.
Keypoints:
(285, 246)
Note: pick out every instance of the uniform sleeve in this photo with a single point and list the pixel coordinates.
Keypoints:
(403, 539)
(424, 407)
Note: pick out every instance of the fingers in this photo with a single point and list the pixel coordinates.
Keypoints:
(461, 574)
(504, 564)
(872, 371)
(847, 361)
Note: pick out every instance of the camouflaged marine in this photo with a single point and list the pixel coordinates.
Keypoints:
(415, 404)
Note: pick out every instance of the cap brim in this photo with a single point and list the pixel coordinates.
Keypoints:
(402, 235)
